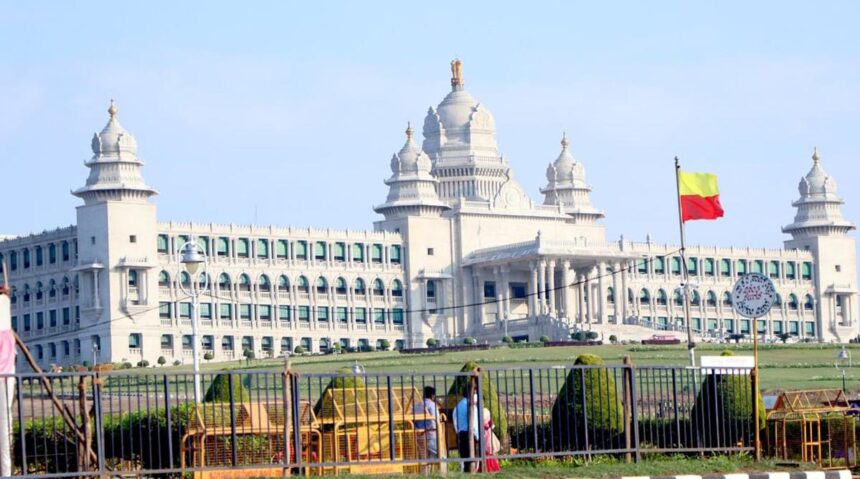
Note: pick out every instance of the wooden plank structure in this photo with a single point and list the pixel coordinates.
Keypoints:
(813, 426)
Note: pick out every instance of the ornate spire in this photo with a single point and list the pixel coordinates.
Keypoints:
(564, 141)
(408, 130)
(112, 109)
(456, 73)
(815, 157)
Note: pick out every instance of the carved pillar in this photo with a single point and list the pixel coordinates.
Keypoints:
(601, 292)
(622, 294)
(542, 306)
(566, 304)
(580, 298)
(533, 289)
(616, 311)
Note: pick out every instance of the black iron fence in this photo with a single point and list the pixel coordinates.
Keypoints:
(276, 422)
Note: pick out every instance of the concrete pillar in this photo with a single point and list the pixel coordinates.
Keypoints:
(542, 303)
(533, 290)
(551, 288)
(601, 292)
(566, 303)
(580, 298)
(589, 299)
(506, 292)
(616, 311)
(622, 294)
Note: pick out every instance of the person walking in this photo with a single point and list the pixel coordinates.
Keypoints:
(462, 426)
(492, 445)
(427, 437)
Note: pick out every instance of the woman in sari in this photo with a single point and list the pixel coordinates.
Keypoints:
(491, 443)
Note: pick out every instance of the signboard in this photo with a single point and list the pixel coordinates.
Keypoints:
(726, 364)
(753, 295)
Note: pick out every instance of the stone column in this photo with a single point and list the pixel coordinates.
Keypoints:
(533, 289)
(500, 299)
(565, 289)
(601, 292)
(551, 287)
(477, 298)
(622, 295)
(589, 303)
(542, 306)
(580, 298)
(506, 292)
(615, 281)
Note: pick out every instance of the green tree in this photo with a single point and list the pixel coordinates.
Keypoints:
(589, 395)
(351, 383)
(544, 339)
(219, 390)
(161, 361)
(299, 349)
(432, 342)
(508, 340)
(613, 339)
(469, 341)
(208, 356)
(591, 335)
(783, 337)
(143, 363)
(177, 362)
(459, 389)
(384, 345)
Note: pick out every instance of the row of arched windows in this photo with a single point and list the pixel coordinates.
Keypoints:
(726, 267)
(660, 298)
(40, 290)
(265, 284)
(37, 256)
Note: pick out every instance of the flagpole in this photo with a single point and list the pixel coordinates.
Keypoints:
(691, 345)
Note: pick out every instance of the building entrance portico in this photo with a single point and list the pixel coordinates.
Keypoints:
(548, 286)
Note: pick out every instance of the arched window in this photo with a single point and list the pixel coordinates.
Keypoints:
(302, 284)
(26, 295)
(758, 266)
(26, 258)
(678, 298)
(222, 246)
(242, 247)
(340, 286)
(727, 298)
(712, 299)
(431, 290)
(725, 267)
(610, 295)
(676, 265)
(52, 289)
(39, 290)
(322, 285)
(262, 248)
(132, 277)
(360, 287)
(264, 284)
(65, 251)
(66, 288)
(40, 256)
(809, 303)
(659, 265)
(741, 267)
(644, 297)
(224, 282)
(630, 296)
(244, 282)
(185, 279)
(52, 253)
(13, 260)
(283, 283)
(396, 288)
(378, 287)
(320, 250)
(164, 279)
(662, 298)
(792, 302)
(708, 266)
(777, 303)
(773, 269)
(697, 299)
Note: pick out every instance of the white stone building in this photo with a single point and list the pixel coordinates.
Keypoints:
(462, 250)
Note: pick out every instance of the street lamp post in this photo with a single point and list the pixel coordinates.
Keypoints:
(843, 358)
(193, 258)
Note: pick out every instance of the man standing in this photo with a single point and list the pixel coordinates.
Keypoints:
(427, 439)
(462, 426)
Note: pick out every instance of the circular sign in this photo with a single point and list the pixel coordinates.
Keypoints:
(753, 295)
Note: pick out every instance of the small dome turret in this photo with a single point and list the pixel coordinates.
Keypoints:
(818, 209)
(113, 140)
(566, 186)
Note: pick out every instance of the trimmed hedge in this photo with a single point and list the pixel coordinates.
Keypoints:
(593, 392)
(459, 389)
(723, 412)
(219, 390)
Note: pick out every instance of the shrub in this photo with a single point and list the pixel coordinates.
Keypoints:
(727, 352)
(161, 361)
(432, 343)
(508, 340)
(299, 349)
(723, 413)
(384, 345)
(366, 348)
(544, 339)
(459, 389)
(470, 341)
(613, 339)
(337, 348)
(177, 362)
(208, 356)
(578, 335)
(591, 335)
(219, 390)
(248, 354)
(143, 363)
(605, 420)
(784, 337)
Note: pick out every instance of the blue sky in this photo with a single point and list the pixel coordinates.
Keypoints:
(289, 111)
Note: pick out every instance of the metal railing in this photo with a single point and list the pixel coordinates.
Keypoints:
(145, 423)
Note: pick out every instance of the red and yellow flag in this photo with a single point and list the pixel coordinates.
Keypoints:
(700, 196)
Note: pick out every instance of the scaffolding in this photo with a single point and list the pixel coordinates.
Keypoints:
(812, 426)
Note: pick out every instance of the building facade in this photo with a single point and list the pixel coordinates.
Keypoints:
(461, 250)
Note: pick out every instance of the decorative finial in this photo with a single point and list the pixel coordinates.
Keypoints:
(112, 109)
(815, 157)
(564, 141)
(408, 130)
(456, 73)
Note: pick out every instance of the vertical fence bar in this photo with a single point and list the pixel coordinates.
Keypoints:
(635, 412)
(168, 420)
(482, 447)
(675, 403)
(287, 385)
(22, 433)
(392, 453)
(297, 433)
(99, 424)
(234, 453)
(533, 410)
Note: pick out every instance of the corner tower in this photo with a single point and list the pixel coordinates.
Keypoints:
(566, 187)
(116, 228)
(819, 227)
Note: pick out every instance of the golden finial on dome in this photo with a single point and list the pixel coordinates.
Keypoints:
(112, 109)
(564, 141)
(815, 156)
(408, 130)
(456, 73)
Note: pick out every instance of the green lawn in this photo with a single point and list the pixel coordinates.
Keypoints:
(808, 366)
